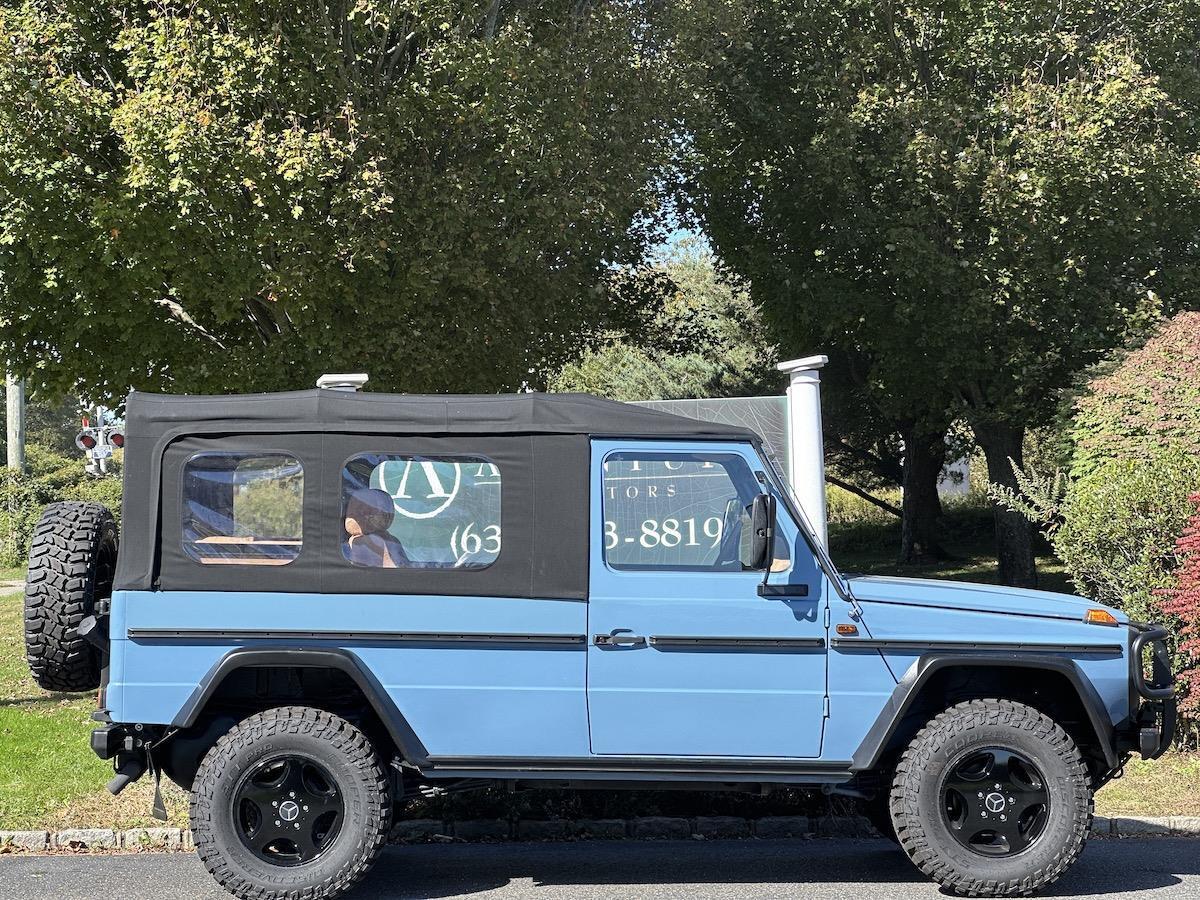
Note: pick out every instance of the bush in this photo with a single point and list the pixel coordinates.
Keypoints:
(1119, 527)
(1150, 402)
(51, 477)
(1134, 462)
(1182, 600)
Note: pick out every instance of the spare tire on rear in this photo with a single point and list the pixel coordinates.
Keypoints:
(71, 563)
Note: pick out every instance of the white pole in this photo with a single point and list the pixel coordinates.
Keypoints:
(806, 456)
(16, 422)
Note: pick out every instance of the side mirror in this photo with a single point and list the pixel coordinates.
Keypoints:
(762, 531)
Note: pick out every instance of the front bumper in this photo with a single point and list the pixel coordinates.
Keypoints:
(1157, 712)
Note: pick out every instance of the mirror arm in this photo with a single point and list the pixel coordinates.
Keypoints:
(770, 557)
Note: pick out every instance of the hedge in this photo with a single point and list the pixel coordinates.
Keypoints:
(50, 477)
(1120, 525)
(1135, 465)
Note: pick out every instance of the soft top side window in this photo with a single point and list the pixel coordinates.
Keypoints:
(420, 512)
(243, 508)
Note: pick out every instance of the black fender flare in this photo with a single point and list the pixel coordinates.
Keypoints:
(401, 733)
(906, 692)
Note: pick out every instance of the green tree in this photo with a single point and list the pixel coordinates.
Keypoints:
(703, 339)
(977, 200)
(229, 194)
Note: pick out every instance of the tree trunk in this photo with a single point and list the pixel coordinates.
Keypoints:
(1014, 533)
(924, 457)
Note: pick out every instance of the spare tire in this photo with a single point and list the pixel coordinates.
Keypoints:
(71, 563)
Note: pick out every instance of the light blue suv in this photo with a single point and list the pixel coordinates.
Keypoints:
(324, 601)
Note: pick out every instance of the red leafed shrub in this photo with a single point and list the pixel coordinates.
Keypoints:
(1149, 402)
(1183, 600)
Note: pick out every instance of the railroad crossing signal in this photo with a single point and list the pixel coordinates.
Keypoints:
(97, 442)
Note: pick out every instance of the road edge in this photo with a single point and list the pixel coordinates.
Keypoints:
(414, 831)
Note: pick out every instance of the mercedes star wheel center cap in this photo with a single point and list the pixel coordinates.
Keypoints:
(289, 810)
(995, 802)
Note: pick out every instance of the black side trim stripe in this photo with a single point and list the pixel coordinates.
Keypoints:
(678, 640)
(757, 766)
(923, 646)
(390, 637)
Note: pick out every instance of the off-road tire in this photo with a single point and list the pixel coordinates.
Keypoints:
(916, 799)
(345, 753)
(71, 562)
(878, 811)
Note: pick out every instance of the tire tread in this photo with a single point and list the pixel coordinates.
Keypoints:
(341, 736)
(60, 592)
(946, 727)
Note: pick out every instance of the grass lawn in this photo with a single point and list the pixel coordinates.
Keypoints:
(1165, 787)
(49, 776)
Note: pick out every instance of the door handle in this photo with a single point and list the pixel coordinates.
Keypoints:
(619, 637)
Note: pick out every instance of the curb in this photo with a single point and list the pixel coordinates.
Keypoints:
(648, 828)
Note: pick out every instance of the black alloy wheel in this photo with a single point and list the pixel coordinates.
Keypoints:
(995, 801)
(992, 798)
(292, 803)
(288, 810)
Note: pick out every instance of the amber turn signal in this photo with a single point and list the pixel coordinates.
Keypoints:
(1100, 617)
(847, 629)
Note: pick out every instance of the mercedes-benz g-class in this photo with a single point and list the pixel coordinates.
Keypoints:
(325, 601)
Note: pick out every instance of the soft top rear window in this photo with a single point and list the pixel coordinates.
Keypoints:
(243, 508)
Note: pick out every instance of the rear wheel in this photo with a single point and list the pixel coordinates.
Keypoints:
(992, 798)
(291, 803)
(878, 812)
(72, 558)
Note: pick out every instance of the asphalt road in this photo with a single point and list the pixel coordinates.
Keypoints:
(863, 870)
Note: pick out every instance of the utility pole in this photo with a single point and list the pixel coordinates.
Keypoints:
(16, 422)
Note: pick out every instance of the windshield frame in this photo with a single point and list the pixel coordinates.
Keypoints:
(784, 488)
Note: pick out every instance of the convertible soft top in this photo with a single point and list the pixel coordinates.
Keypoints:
(540, 442)
(153, 415)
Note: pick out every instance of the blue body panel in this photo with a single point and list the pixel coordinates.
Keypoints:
(860, 685)
(460, 700)
(695, 701)
(992, 598)
(904, 621)
(803, 700)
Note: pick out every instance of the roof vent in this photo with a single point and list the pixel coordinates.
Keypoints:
(342, 382)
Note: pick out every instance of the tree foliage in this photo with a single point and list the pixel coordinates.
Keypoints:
(977, 196)
(976, 200)
(704, 339)
(1151, 400)
(229, 194)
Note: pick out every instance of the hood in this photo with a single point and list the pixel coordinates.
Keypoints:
(992, 598)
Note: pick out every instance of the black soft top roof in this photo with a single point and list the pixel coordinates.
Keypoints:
(154, 415)
(547, 507)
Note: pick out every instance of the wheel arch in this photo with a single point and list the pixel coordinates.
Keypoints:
(929, 686)
(407, 745)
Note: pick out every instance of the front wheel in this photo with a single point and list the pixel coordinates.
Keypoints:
(291, 803)
(992, 799)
